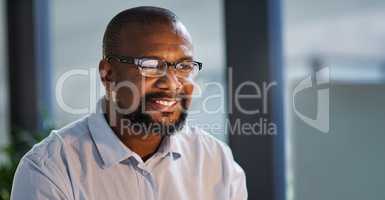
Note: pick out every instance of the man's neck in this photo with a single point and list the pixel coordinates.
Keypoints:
(145, 144)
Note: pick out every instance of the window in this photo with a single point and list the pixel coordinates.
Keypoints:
(344, 159)
(4, 137)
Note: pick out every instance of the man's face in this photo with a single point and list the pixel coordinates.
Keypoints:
(163, 100)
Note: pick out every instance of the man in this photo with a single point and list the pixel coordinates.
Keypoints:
(135, 146)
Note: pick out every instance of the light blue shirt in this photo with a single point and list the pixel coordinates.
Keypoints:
(86, 161)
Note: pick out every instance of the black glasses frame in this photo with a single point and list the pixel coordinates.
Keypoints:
(138, 61)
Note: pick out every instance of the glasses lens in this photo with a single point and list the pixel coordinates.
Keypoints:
(152, 67)
(187, 68)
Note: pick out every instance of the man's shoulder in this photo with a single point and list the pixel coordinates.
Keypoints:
(45, 166)
(52, 148)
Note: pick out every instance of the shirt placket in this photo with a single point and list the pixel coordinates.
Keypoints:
(146, 181)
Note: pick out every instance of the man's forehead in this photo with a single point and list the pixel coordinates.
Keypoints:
(164, 46)
(157, 41)
(171, 52)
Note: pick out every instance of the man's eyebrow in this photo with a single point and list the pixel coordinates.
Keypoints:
(185, 58)
(154, 57)
(162, 58)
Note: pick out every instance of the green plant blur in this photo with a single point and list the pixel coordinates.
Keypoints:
(22, 141)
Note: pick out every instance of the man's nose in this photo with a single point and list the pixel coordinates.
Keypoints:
(170, 81)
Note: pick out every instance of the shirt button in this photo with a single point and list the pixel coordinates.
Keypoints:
(145, 173)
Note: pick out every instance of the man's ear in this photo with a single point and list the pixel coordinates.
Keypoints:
(105, 72)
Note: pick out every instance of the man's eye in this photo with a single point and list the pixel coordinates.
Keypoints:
(150, 63)
(186, 67)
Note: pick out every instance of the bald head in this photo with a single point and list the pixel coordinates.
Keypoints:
(139, 19)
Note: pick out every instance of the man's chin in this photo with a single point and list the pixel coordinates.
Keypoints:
(158, 122)
(170, 125)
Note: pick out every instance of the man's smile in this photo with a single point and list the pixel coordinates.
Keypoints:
(164, 104)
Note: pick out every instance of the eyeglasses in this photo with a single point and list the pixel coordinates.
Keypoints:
(152, 67)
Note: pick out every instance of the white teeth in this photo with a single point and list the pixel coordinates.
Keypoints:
(165, 103)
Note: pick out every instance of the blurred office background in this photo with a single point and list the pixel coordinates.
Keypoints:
(299, 163)
(4, 126)
(347, 37)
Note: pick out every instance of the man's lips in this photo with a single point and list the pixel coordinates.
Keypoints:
(164, 104)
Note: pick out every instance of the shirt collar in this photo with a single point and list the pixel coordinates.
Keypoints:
(170, 146)
(112, 150)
